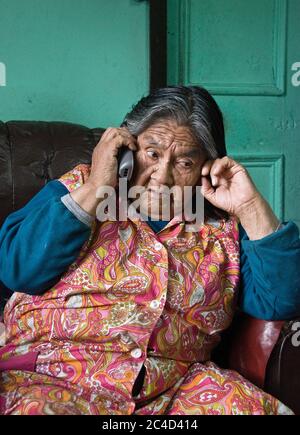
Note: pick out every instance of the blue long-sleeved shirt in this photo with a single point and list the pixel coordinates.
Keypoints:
(40, 241)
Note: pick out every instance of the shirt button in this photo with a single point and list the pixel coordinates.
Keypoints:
(136, 353)
(154, 305)
(157, 246)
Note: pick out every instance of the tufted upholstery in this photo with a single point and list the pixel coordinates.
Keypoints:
(32, 153)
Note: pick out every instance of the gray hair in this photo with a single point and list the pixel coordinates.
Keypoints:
(190, 106)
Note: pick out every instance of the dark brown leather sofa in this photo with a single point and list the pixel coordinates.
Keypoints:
(32, 153)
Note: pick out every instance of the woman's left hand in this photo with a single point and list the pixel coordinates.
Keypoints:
(230, 187)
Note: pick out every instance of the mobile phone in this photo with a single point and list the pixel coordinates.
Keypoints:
(126, 162)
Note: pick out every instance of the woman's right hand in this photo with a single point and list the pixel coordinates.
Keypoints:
(104, 168)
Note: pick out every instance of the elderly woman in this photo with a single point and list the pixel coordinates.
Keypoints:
(120, 317)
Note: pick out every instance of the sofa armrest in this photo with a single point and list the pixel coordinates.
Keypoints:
(283, 369)
(247, 345)
(266, 353)
(252, 343)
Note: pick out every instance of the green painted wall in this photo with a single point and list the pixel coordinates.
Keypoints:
(82, 61)
(247, 54)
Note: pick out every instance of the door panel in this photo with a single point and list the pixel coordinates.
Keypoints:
(246, 54)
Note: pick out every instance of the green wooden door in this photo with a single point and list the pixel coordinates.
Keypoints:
(247, 54)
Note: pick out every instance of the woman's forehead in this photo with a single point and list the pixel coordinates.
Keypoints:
(162, 133)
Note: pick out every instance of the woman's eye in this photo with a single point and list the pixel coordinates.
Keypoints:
(152, 154)
(186, 164)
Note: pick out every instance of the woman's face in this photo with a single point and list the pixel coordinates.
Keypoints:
(167, 156)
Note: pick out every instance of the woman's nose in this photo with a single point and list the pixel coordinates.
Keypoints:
(163, 175)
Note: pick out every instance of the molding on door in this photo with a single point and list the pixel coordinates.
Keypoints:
(274, 164)
(276, 87)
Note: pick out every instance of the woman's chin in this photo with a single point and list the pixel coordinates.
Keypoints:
(156, 211)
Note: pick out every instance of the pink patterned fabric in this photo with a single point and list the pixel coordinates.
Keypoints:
(132, 297)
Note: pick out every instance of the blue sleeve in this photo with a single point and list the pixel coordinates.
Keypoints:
(270, 274)
(39, 241)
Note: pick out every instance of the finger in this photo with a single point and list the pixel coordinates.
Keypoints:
(207, 170)
(113, 133)
(206, 167)
(125, 130)
(132, 139)
(118, 140)
(207, 190)
(104, 135)
(220, 165)
(128, 144)
(126, 141)
(221, 169)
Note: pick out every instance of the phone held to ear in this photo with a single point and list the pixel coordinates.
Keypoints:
(126, 162)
